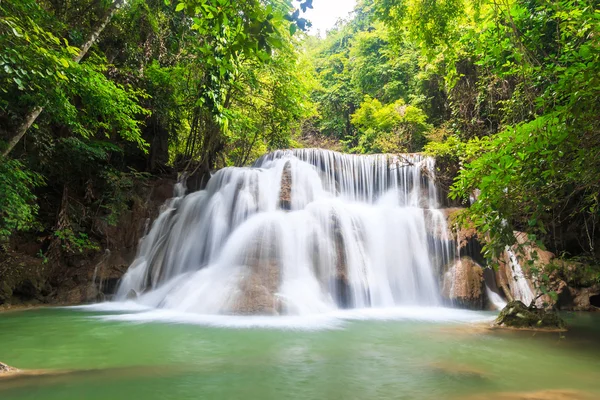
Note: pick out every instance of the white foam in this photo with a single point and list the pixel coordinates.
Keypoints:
(330, 320)
(123, 306)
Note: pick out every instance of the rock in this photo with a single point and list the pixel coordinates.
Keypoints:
(518, 315)
(259, 283)
(463, 284)
(257, 291)
(23, 278)
(4, 368)
(131, 295)
(527, 255)
(343, 292)
(26, 279)
(579, 299)
(285, 193)
(460, 370)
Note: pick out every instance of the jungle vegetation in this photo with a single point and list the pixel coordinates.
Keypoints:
(97, 94)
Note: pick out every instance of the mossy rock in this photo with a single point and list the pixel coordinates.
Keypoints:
(518, 315)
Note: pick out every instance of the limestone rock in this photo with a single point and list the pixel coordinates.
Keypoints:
(527, 254)
(258, 288)
(579, 299)
(463, 284)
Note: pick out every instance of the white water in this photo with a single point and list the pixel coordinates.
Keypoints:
(520, 286)
(133, 312)
(358, 232)
(497, 301)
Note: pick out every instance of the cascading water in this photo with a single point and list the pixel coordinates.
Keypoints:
(520, 286)
(301, 232)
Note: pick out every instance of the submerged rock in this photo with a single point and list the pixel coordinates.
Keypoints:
(553, 394)
(458, 370)
(518, 315)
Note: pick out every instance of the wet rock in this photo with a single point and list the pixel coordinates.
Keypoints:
(4, 368)
(528, 255)
(518, 315)
(131, 295)
(257, 291)
(463, 284)
(343, 292)
(285, 193)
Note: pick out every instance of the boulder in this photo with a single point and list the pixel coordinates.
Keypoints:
(518, 315)
(463, 284)
(579, 299)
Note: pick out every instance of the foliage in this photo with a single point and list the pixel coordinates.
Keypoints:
(519, 95)
(396, 127)
(194, 84)
(541, 173)
(75, 242)
(17, 200)
(36, 68)
(503, 94)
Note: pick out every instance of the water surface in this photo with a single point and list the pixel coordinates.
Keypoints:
(393, 354)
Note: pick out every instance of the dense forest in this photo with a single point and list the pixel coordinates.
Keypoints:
(97, 96)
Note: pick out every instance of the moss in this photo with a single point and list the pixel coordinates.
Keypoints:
(518, 315)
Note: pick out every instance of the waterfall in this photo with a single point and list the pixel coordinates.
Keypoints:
(521, 289)
(300, 232)
(495, 299)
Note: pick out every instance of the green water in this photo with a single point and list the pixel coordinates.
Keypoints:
(360, 359)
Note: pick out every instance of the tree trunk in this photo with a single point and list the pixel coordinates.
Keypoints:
(37, 110)
(21, 129)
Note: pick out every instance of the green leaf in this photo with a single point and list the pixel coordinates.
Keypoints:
(180, 7)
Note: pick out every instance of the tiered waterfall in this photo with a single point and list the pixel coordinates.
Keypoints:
(300, 232)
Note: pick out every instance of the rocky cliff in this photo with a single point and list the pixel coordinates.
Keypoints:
(28, 278)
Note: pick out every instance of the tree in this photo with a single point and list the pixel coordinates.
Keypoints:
(18, 31)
